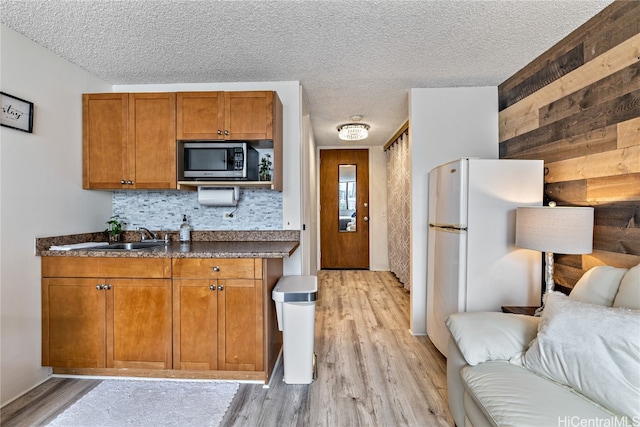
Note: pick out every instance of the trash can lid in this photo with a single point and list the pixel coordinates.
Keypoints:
(296, 289)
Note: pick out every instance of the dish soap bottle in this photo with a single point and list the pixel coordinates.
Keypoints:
(185, 230)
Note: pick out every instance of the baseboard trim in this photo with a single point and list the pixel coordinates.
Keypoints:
(27, 390)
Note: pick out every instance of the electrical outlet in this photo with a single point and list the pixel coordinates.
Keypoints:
(229, 216)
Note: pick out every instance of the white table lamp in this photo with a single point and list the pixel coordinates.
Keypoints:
(551, 229)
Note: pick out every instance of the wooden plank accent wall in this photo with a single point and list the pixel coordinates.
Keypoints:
(577, 107)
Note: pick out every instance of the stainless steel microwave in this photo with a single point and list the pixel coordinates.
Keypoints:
(212, 160)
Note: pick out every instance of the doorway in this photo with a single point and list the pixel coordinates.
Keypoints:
(344, 209)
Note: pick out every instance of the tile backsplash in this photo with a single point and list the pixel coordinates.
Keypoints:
(257, 209)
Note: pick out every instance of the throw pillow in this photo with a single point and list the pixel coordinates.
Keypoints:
(483, 336)
(598, 285)
(629, 292)
(591, 348)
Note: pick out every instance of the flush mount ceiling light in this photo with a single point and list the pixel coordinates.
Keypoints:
(353, 131)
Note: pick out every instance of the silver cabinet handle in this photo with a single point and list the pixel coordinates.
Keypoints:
(130, 182)
(366, 218)
(226, 132)
(215, 268)
(221, 288)
(212, 287)
(123, 182)
(219, 132)
(99, 287)
(106, 287)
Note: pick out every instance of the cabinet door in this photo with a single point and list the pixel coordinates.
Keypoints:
(195, 324)
(104, 140)
(139, 323)
(200, 115)
(248, 115)
(152, 140)
(240, 338)
(73, 327)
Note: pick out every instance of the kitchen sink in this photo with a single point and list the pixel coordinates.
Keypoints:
(129, 246)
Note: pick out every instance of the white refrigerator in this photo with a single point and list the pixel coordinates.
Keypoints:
(473, 263)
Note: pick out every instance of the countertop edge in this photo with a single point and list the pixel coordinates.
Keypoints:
(162, 252)
(205, 244)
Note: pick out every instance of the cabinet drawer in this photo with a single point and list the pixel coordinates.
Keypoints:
(105, 267)
(215, 268)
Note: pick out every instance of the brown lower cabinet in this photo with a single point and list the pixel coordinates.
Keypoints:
(109, 314)
(184, 317)
(217, 314)
(216, 325)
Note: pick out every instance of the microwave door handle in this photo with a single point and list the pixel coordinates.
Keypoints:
(225, 164)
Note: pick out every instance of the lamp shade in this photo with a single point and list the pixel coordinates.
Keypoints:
(563, 230)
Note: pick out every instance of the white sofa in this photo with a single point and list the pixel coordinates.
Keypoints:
(578, 364)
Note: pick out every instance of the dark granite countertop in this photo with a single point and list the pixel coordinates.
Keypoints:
(217, 245)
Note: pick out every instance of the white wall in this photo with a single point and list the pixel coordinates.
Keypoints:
(378, 248)
(309, 196)
(41, 195)
(445, 124)
(289, 94)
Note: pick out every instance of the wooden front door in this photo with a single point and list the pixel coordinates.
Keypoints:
(344, 209)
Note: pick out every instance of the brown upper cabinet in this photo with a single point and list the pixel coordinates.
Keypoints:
(251, 116)
(128, 141)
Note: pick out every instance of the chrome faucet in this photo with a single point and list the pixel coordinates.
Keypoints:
(142, 230)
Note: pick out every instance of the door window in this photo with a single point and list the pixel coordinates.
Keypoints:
(347, 198)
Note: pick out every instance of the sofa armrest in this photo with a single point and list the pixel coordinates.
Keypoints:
(455, 388)
(484, 336)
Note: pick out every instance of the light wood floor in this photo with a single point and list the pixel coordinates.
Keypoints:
(41, 405)
(371, 370)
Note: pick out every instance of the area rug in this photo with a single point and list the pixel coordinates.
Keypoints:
(120, 403)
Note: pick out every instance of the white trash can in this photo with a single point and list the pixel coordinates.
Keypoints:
(295, 298)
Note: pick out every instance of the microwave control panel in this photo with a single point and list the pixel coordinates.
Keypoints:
(238, 159)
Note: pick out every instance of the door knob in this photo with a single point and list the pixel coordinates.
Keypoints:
(221, 288)
(99, 287)
(226, 132)
(212, 287)
(123, 182)
(366, 218)
(106, 287)
(130, 182)
(215, 268)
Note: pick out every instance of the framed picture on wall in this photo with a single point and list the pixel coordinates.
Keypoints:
(16, 113)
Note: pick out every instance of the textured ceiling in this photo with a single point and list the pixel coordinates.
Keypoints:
(351, 57)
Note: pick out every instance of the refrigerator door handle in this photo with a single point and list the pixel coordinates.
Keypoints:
(451, 228)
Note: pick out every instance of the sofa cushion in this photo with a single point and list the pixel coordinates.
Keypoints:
(510, 395)
(592, 348)
(629, 292)
(598, 285)
(483, 336)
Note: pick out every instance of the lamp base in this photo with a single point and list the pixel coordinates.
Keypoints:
(548, 272)
(548, 279)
